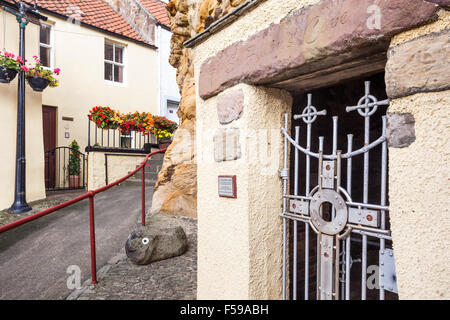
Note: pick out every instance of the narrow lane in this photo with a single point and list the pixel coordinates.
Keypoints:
(34, 257)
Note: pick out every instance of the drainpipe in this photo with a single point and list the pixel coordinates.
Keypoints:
(158, 45)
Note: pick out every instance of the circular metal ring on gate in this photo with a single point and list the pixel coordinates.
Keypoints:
(340, 220)
(369, 110)
(145, 241)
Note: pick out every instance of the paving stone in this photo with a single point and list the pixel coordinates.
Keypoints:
(171, 279)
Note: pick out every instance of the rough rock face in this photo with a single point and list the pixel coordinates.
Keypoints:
(176, 189)
(212, 10)
(155, 242)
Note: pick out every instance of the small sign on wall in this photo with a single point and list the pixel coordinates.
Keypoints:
(227, 186)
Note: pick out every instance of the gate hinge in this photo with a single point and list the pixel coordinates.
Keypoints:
(388, 277)
(284, 174)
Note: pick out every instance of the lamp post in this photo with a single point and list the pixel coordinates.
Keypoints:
(20, 204)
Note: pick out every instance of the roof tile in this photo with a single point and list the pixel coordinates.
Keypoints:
(96, 13)
(158, 9)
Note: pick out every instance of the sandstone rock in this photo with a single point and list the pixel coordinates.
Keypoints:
(187, 103)
(230, 106)
(154, 243)
(212, 10)
(176, 188)
(178, 194)
(420, 65)
(180, 19)
(235, 3)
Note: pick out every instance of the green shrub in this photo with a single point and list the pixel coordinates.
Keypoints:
(74, 159)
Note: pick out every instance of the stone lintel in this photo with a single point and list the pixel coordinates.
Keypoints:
(313, 38)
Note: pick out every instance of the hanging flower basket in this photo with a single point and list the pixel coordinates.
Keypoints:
(39, 77)
(7, 75)
(37, 83)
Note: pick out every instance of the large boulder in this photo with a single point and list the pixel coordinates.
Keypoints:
(154, 242)
(175, 191)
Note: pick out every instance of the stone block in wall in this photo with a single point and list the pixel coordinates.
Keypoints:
(230, 106)
(420, 65)
(226, 145)
(400, 130)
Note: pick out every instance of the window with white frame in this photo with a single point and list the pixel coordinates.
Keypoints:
(45, 45)
(128, 140)
(114, 62)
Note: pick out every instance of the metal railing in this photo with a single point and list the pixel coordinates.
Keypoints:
(90, 194)
(113, 140)
(57, 175)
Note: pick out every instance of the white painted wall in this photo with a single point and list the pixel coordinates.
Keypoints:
(168, 89)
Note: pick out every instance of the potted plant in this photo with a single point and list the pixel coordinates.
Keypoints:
(39, 77)
(74, 165)
(164, 137)
(163, 130)
(9, 66)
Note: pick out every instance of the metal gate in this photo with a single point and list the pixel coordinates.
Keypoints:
(349, 222)
(56, 171)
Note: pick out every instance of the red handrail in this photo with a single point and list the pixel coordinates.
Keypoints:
(90, 194)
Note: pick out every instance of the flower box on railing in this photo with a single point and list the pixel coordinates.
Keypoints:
(131, 131)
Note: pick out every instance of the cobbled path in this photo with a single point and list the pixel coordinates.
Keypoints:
(171, 279)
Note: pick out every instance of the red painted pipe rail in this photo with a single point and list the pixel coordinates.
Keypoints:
(90, 194)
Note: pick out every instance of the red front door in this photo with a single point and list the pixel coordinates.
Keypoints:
(49, 126)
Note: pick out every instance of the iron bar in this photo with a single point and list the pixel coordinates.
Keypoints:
(362, 150)
(367, 205)
(89, 131)
(348, 239)
(383, 189)
(297, 197)
(365, 189)
(319, 256)
(372, 234)
(307, 187)
(336, 269)
(92, 235)
(143, 195)
(294, 269)
(285, 168)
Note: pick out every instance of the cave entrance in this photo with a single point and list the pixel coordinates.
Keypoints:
(336, 217)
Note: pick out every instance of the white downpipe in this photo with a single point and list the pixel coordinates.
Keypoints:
(158, 52)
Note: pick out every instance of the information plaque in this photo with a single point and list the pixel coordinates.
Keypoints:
(227, 186)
